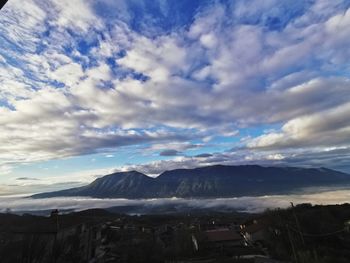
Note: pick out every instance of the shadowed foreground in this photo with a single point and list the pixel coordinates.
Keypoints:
(303, 233)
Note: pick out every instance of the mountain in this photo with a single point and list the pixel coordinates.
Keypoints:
(210, 181)
(131, 184)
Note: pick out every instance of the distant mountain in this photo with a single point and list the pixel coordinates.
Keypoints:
(210, 181)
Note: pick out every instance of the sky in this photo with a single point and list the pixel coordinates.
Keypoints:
(92, 87)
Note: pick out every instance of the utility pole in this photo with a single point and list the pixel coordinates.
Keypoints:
(54, 214)
(298, 225)
(292, 245)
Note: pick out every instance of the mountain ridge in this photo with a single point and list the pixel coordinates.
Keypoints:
(207, 181)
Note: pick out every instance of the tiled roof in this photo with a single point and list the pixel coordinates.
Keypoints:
(222, 235)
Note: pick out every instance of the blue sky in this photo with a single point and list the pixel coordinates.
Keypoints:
(92, 87)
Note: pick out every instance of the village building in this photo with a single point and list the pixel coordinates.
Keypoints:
(254, 231)
(217, 239)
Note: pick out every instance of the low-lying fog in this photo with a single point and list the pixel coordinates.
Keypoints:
(243, 204)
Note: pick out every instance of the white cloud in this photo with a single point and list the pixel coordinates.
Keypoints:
(75, 14)
(215, 76)
(324, 128)
(243, 204)
(69, 74)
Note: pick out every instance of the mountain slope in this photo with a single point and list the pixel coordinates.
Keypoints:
(210, 181)
(122, 185)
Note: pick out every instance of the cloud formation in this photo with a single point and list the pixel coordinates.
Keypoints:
(242, 204)
(83, 77)
(169, 152)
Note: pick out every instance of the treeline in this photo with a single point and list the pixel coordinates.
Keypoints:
(310, 234)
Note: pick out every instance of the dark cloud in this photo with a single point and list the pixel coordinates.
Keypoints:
(203, 155)
(169, 152)
(27, 179)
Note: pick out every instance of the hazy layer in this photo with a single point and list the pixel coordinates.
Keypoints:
(247, 204)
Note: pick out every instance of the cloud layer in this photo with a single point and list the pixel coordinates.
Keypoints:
(243, 204)
(83, 77)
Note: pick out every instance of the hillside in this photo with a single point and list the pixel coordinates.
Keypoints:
(210, 181)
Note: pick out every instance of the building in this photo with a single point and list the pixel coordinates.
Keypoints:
(217, 239)
(254, 231)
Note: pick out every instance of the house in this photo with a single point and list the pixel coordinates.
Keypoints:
(254, 231)
(216, 239)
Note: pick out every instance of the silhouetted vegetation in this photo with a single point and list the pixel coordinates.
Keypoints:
(301, 234)
(317, 233)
